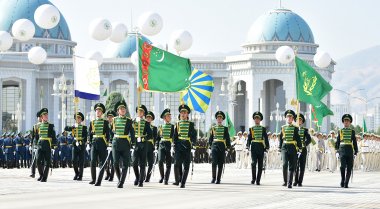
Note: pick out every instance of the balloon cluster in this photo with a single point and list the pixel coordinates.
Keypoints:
(46, 16)
(285, 55)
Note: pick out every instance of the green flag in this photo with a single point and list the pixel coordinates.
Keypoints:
(364, 126)
(105, 93)
(319, 112)
(311, 87)
(230, 126)
(162, 71)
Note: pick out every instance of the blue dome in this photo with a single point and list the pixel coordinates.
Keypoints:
(280, 25)
(12, 10)
(128, 46)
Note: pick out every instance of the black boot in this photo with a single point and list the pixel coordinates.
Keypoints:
(342, 175)
(112, 174)
(76, 172)
(167, 173)
(100, 178)
(176, 176)
(136, 170)
(253, 169)
(259, 172)
(161, 168)
(290, 179)
(117, 171)
(107, 172)
(300, 178)
(142, 176)
(93, 175)
(213, 167)
(149, 173)
(46, 173)
(296, 176)
(219, 176)
(122, 178)
(347, 179)
(184, 178)
(80, 173)
(285, 176)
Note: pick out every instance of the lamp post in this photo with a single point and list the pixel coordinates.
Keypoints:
(349, 95)
(198, 117)
(366, 101)
(63, 90)
(277, 117)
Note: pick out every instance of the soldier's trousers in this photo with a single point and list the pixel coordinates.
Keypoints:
(164, 156)
(301, 164)
(149, 158)
(121, 155)
(257, 159)
(139, 160)
(218, 159)
(182, 157)
(78, 159)
(43, 158)
(289, 160)
(98, 153)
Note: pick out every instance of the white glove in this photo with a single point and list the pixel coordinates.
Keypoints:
(193, 151)
(226, 152)
(132, 150)
(30, 148)
(155, 151)
(209, 151)
(172, 151)
(298, 154)
(337, 155)
(52, 150)
(138, 119)
(35, 149)
(109, 149)
(59, 152)
(138, 139)
(88, 147)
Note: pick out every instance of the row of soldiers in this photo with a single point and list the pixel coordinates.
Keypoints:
(15, 150)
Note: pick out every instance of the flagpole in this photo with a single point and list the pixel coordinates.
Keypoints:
(76, 99)
(138, 69)
(295, 73)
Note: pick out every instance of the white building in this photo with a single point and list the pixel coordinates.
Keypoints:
(339, 110)
(255, 79)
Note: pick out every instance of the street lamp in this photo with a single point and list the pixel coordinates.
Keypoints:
(366, 101)
(349, 95)
(231, 91)
(277, 117)
(198, 117)
(63, 90)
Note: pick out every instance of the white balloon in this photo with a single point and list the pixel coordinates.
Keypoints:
(181, 40)
(95, 55)
(134, 58)
(285, 54)
(37, 55)
(6, 41)
(150, 23)
(119, 32)
(47, 16)
(322, 59)
(23, 29)
(100, 29)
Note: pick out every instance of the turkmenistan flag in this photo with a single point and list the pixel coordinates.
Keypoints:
(320, 111)
(230, 126)
(311, 87)
(162, 71)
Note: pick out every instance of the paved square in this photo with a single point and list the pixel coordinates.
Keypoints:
(320, 190)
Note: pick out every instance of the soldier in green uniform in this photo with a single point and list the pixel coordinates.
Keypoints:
(99, 138)
(184, 138)
(150, 149)
(347, 148)
(219, 141)
(79, 132)
(258, 142)
(33, 144)
(290, 146)
(164, 145)
(110, 170)
(45, 138)
(301, 161)
(143, 132)
(124, 135)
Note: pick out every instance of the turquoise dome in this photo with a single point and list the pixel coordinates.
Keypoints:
(127, 47)
(12, 10)
(280, 25)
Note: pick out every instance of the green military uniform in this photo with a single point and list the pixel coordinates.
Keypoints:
(301, 161)
(124, 135)
(110, 170)
(44, 139)
(79, 132)
(347, 147)
(184, 138)
(290, 144)
(99, 139)
(33, 144)
(219, 141)
(164, 145)
(258, 142)
(143, 132)
(150, 147)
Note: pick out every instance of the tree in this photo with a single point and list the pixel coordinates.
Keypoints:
(112, 99)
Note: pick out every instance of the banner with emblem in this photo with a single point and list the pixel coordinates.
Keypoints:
(162, 71)
(86, 79)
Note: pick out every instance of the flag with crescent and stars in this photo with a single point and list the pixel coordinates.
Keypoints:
(162, 71)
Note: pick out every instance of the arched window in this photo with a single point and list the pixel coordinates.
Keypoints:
(11, 94)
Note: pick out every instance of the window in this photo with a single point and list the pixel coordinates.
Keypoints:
(147, 100)
(10, 99)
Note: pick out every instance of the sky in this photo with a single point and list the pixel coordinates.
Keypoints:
(339, 27)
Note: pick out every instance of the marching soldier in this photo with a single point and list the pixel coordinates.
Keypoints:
(290, 146)
(8, 150)
(99, 138)
(33, 143)
(19, 142)
(143, 132)
(79, 132)
(150, 149)
(219, 142)
(259, 144)
(301, 161)
(110, 170)
(45, 138)
(348, 148)
(184, 138)
(124, 135)
(164, 146)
